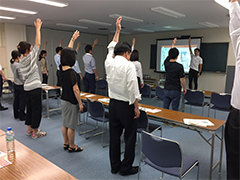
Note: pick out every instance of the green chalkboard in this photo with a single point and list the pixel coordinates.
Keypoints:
(214, 56)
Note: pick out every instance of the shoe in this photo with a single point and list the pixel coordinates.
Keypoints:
(75, 149)
(3, 108)
(133, 170)
(29, 133)
(65, 146)
(38, 134)
(114, 171)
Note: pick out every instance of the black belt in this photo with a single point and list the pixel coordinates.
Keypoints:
(234, 109)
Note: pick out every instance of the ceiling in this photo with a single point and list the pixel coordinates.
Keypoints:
(99, 10)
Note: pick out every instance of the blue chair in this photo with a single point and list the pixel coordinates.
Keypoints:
(195, 98)
(166, 156)
(146, 91)
(221, 102)
(95, 110)
(101, 85)
(160, 93)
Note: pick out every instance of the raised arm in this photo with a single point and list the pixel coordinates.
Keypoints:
(60, 43)
(94, 43)
(189, 45)
(133, 43)
(38, 25)
(78, 45)
(45, 46)
(174, 42)
(75, 35)
(234, 27)
(118, 29)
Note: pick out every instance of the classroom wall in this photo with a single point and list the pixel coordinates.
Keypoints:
(208, 80)
(53, 38)
(11, 35)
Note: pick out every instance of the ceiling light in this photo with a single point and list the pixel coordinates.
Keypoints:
(143, 30)
(127, 18)
(224, 3)
(94, 22)
(50, 3)
(209, 24)
(168, 12)
(6, 17)
(72, 26)
(2, 8)
(173, 28)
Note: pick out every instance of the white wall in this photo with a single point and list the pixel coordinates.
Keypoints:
(54, 36)
(11, 35)
(209, 80)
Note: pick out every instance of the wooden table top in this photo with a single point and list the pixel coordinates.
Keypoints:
(170, 115)
(30, 165)
(50, 87)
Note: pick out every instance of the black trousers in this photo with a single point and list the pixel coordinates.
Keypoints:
(58, 77)
(34, 108)
(121, 116)
(193, 75)
(232, 143)
(45, 78)
(89, 83)
(19, 103)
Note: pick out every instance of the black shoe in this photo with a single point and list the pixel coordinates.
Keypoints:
(133, 170)
(3, 108)
(114, 171)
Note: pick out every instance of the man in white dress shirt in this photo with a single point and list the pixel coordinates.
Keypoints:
(195, 66)
(124, 110)
(232, 130)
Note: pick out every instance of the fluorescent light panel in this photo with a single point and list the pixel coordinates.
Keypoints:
(50, 3)
(6, 17)
(127, 18)
(168, 12)
(72, 26)
(209, 24)
(2, 8)
(224, 3)
(94, 22)
(173, 28)
(143, 30)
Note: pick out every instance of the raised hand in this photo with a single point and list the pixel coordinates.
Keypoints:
(133, 41)
(75, 35)
(38, 23)
(118, 23)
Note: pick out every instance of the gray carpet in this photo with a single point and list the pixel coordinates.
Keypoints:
(93, 162)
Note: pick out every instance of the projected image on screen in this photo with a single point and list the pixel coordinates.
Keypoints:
(184, 58)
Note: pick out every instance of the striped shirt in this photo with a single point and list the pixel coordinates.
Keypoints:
(29, 70)
(17, 73)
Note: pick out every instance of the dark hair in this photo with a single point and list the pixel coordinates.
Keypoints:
(134, 55)
(173, 53)
(15, 54)
(88, 48)
(41, 54)
(121, 48)
(197, 49)
(23, 46)
(59, 48)
(68, 57)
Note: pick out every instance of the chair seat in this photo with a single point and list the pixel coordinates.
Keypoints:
(197, 104)
(187, 164)
(221, 109)
(106, 119)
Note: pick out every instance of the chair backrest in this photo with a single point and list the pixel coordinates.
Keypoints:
(101, 84)
(95, 108)
(221, 101)
(146, 90)
(194, 97)
(159, 93)
(142, 121)
(160, 151)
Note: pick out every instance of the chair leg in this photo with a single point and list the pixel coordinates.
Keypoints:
(198, 172)
(215, 114)
(202, 110)
(89, 130)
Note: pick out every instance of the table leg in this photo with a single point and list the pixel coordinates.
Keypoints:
(211, 158)
(221, 151)
(47, 103)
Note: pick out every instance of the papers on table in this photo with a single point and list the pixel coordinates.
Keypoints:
(90, 95)
(198, 122)
(2, 154)
(82, 94)
(106, 100)
(150, 110)
(47, 87)
(3, 160)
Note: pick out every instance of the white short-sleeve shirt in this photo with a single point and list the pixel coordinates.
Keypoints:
(195, 62)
